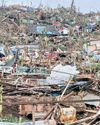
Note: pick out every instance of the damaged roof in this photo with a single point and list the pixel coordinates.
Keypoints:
(42, 30)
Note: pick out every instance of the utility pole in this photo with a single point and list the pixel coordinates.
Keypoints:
(2, 5)
(40, 4)
(72, 6)
(2, 2)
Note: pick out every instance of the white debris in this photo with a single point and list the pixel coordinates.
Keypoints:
(61, 74)
(90, 97)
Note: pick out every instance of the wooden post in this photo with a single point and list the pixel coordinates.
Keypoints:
(3, 72)
(1, 100)
(33, 114)
(20, 118)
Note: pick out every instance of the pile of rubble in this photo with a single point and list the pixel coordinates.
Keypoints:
(50, 65)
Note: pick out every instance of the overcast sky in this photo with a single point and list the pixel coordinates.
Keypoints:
(84, 5)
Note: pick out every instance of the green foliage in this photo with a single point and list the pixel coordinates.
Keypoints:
(11, 119)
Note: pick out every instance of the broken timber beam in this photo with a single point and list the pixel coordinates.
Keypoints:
(34, 100)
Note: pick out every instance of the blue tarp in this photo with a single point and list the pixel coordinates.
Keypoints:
(97, 57)
(2, 55)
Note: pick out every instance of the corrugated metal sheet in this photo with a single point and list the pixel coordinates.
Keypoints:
(42, 30)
